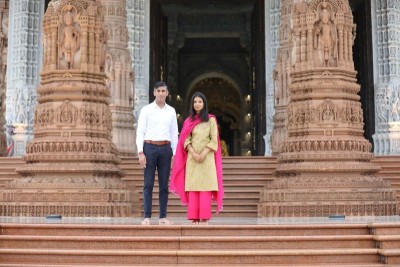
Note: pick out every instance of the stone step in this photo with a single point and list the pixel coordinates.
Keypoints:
(93, 229)
(387, 241)
(362, 264)
(184, 242)
(390, 256)
(166, 256)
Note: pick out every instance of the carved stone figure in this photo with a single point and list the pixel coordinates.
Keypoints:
(69, 38)
(325, 39)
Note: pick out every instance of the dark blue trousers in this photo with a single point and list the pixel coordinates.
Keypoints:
(157, 158)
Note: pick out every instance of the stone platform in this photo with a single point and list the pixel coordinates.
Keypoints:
(355, 241)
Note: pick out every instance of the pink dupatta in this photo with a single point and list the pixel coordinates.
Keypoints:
(177, 183)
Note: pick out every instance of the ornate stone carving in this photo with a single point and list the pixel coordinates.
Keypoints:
(386, 76)
(324, 166)
(138, 23)
(4, 20)
(325, 37)
(71, 156)
(69, 37)
(118, 69)
(67, 114)
(24, 62)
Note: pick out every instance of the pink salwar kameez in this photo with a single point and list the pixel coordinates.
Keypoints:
(198, 202)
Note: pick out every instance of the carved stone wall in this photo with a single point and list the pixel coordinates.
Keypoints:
(71, 163)
(4, 20)
(138, 23)
(324, 167)
(386, 42)
(24, 62)
(273, 20)
(118, 68)
(281, 82)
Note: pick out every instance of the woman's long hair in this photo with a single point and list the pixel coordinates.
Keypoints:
(203, 115)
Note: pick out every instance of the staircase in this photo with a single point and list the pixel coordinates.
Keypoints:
(336, 244)
(244, 178)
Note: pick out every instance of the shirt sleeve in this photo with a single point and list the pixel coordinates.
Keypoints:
(213, 144)
(174, 132)
(141, 129)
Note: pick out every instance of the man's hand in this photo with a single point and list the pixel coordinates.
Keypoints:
(172, 161)
(142, 159)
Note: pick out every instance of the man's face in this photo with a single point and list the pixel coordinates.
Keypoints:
(161, 94)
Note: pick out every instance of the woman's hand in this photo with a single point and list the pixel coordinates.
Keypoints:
(197, 157)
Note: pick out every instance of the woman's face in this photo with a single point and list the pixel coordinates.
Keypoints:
(198, 104)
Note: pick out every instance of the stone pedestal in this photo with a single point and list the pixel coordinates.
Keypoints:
(325, 164)
(21, 136)
(71, 164)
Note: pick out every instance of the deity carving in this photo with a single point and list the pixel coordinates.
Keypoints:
(67, 114)
(69, 38)
(325, 38)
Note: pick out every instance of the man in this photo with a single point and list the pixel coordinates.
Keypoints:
(156, 140)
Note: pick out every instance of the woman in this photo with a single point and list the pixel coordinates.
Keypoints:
(197, 170)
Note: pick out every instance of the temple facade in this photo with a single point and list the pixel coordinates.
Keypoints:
(241, 54)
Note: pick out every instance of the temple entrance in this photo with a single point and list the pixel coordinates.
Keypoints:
(224, 102)
(216, 47)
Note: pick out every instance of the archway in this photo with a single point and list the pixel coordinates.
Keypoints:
(226, 103)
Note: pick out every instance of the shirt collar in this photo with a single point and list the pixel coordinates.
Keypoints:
(156, 106)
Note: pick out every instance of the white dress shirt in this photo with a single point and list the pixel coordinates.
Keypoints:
(157, 124)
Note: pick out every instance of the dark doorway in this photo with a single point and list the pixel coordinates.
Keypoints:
(363, 62)
(216, 46)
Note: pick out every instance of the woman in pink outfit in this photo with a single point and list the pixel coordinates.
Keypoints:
(197, 170)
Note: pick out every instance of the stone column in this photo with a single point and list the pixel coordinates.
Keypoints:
(272, 22)
(24, 63)
(118, 68)
(71, 164)
(139, 45)
(386, 34)
(281, 77)
(324, 166)
(4, 21)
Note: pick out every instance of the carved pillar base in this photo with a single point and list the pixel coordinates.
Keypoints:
(21, 137)
(323, 195)
(388, 143)
(123, 132)
(66, 195)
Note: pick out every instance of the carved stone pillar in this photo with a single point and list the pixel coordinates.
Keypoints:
(325, 164)
(118, 68)
(282, 78)
(71, 164)
(386, 33)
(139, 45)
(4, 20)
(24, 63)
(272, 35)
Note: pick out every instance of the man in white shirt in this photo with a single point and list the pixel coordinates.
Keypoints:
(156, 140)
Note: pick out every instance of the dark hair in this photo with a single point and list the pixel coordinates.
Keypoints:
(160, 84)
(204, 112)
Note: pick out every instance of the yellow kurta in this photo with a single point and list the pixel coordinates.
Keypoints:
(202, 176)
